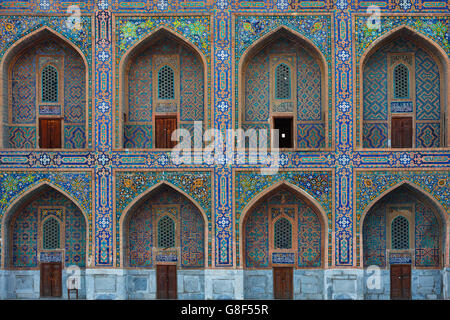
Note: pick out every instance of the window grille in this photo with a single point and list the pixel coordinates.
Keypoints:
(282, 82)
(283, 234)
(51, 234)
(400, 233)
(49, 84)
(166, 83)
(166, 233)
(401, 81)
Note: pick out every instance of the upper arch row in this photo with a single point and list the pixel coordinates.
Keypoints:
(283, 82)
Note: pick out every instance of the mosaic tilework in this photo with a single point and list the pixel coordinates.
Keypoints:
(435, 27)
(248, 29)
(12, 28)
(250, 184)
(25, 230)
(343, 159)
(256, 243)
(370, 185)
(375, 99)
(142, 105)
(196, 29)
(130, 185)
(13, 184)
(427, 235)
(256, 237)
(140, 229)
(257, 96)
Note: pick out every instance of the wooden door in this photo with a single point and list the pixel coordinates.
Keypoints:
(401, 281)
(51, 279)
(401, 132)
(50, 133)
(164, 126)
(282, 283)
(166, 281)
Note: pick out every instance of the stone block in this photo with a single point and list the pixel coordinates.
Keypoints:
(104, 283)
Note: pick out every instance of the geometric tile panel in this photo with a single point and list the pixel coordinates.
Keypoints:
(428, 135)
(427, 87)
(137, 136)
(310, 136)
(21, 137)
(375, 135)
(74, 136)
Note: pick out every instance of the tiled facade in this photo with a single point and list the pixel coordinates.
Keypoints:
(341, 176)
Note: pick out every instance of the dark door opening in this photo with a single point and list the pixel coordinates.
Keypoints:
(50, 133)
(282, 283)
(164, 126)
(51, 280)
(401, 282)
(166, 283)
(285, 127)
(401, 132)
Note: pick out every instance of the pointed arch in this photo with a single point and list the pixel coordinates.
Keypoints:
(26, 198)
(141, 198)
(435, 51)
(435, 204)
(14, 52)
(305, 196)
(302, 42)
(137, 48)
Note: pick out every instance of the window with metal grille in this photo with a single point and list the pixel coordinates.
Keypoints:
(51, 234)
(400, 233)
(166, 83)
(283, 82)
(401, 81)
(283, 234)
(49, 84)
(166, 233)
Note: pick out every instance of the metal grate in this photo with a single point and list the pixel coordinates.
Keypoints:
(283, 82)
(400, 233)
(51, 234)
(166, 83)
(166, 233)
(49, 84)
(283, 234)
(401, 85)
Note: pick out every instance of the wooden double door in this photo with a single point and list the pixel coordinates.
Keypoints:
(51, 279)
(282, 283)
(401, 282)
(164, 127)
(50, 133)
(166, 281)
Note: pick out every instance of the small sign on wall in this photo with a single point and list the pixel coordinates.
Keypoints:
(283, 257)
(46, 257)
(50, 110)
(400, 258)
(401, 106)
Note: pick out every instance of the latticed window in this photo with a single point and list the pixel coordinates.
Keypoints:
(51, 234)
(282, 234)
(400, 233)
(49, 85)
(283, 82)
(166, 83)
(401, 81)
(166, 233)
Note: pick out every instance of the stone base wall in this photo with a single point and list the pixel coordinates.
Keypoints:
(25, 284)
(333, 284)
(426, 284)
